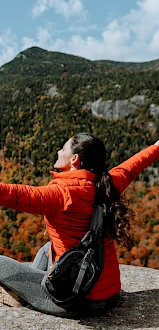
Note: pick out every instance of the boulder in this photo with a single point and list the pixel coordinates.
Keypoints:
(154, 110)
(16, 95)
(28, 90)
(53, 91)
(137, 308)
(116, 109)
(111, 110)
(138, 99)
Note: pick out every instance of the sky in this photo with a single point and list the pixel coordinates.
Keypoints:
(119, 30)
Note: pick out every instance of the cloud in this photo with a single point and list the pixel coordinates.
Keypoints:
(133, 37)
(39, 8)
(83, 29)
(66, 8)
(44, 39)
(154, 44)
(94, 49)
(8, 46)
(149, 6)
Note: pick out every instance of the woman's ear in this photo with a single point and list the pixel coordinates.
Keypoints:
(75, 161)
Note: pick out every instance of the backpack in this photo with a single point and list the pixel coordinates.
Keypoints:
(75, 273)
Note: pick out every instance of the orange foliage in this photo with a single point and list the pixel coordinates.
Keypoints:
(22, 234)
(144, 201)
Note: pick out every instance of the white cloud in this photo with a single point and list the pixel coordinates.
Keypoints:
(66, 8)
(39, 8)
(44, 39)
(154, 44)
(115, 35)
(83, 29)
(150, 7)
(133, 37)
(8, 46)
(43, 35)
(29, 42)
(94, 49)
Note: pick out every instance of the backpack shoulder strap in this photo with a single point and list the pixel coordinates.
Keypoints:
(97, 219)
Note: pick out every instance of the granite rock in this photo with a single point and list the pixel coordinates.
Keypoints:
(137, 308)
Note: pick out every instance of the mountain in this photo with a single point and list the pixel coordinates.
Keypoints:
(45, 98)
(141, 66)
(37, 61)
(40, 62)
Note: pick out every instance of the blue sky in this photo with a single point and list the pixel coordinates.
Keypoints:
(120, 30)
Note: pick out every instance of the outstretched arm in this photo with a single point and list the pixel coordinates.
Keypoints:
(43, 200)
(126, 172)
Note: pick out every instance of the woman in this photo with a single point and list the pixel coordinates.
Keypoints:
(67, 205)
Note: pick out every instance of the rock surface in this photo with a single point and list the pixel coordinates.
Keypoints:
(117, 109)
(120, 108)
(53, 91)
(154, 110)
(16, 95)
(137, 308)
(28, 90)
(111, 110)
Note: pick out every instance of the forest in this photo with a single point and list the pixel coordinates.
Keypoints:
(35, 124)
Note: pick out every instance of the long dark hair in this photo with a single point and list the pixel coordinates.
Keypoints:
(92, 154)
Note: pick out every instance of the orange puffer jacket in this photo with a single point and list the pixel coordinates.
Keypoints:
(67, 205)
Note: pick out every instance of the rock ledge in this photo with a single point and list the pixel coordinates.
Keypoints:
(137, 308)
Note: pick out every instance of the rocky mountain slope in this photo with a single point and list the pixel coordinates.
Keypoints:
(45, 98)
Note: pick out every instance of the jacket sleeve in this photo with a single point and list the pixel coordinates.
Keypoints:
(126, 172)
(44, 200)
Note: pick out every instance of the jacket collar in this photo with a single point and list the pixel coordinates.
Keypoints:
(75, 174)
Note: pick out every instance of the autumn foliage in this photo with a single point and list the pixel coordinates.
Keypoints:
(22, 234)
(144, 201)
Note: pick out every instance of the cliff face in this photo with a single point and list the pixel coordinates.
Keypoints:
(120, 108)
(137, 308)
(111, 110)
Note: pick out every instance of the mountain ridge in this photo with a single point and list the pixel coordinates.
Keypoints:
(43, 102)
(39, 86)
(69, 63)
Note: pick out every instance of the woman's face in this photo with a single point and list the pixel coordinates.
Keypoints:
(64, 157)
